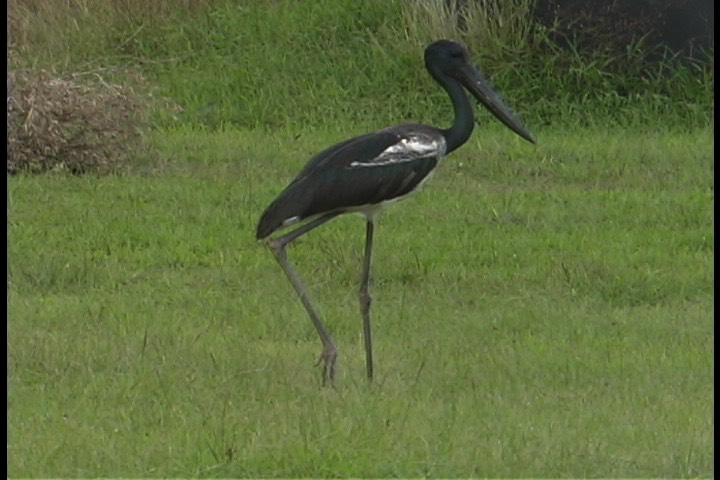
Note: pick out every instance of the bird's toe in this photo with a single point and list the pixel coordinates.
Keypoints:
(328, 359)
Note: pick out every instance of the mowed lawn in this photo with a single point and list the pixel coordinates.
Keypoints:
(540, 311)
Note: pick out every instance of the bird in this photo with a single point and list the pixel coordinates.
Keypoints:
(368, 173)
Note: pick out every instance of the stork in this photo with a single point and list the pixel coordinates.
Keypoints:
(365, 174)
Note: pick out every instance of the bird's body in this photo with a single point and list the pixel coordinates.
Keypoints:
(369, 172)
(363, 174)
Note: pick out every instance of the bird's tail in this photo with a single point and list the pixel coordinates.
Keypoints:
(290, 207)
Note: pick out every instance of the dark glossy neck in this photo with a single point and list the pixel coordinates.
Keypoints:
(464, 121)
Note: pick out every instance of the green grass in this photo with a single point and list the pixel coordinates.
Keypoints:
(539, 312)
(323, 63)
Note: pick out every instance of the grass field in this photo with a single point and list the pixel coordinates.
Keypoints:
(539, 312)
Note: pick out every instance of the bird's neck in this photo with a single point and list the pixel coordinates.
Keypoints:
(464, 121)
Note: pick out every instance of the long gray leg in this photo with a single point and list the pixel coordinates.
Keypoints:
(365, 299)
(279, 248)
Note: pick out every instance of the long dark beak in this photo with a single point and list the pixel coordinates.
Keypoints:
(474, 81)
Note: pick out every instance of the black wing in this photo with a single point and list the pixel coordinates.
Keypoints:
(363, 171)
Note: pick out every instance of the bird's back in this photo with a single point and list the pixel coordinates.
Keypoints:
(362, 172)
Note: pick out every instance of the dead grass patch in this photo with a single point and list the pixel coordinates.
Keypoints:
(80, 123)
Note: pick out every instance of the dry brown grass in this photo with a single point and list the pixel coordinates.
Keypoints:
(80, 123)
(499, 28)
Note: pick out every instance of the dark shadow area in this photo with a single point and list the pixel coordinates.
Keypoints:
(685, 28)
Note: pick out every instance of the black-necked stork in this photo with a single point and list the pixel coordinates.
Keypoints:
(369, 172)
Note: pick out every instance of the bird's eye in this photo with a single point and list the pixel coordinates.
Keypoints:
(457, 55)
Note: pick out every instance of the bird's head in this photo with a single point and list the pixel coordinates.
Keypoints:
(448, 60)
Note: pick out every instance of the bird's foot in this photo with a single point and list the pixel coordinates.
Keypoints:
(328, 359)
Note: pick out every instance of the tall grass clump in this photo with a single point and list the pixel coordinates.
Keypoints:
(501, 30)
(79, 123)
(567, 86)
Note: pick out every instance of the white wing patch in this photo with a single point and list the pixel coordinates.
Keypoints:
(407, 149)
(290, 221)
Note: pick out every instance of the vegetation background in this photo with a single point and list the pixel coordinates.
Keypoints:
(540, 311)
